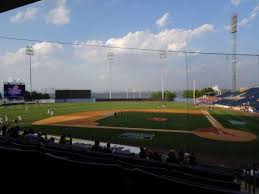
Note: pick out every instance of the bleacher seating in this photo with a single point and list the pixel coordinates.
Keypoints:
(250, 95)
(71, 166)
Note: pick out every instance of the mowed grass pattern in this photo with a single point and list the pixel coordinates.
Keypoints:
(39, 111)
(251, 123)
(175, 121)
(246, 151)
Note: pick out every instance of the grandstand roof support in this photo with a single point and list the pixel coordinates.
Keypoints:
(7, 5)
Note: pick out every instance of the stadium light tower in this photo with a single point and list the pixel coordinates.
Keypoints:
(110, 58)
(163, 56)
(30, 53)
(194, 92)
(234, 50)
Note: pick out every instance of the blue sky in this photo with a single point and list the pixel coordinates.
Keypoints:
(162, 24)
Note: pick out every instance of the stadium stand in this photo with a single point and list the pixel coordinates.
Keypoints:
(87, 169)
(248, 97)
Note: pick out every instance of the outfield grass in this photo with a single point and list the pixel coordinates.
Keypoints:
(229, 150)
(139, 120)
(39, 111)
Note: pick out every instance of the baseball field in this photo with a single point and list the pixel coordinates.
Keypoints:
(214, 134)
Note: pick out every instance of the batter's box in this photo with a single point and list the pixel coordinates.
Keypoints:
(137, 136)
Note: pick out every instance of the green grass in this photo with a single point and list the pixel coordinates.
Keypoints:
(39, 111)
(224, 117)
(166, 141)
(139, 120)
(228, 150)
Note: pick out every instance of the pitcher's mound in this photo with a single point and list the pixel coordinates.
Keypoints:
(157, 119)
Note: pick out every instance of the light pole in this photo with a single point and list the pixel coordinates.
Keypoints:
(30, 53)
(110, 58)
(194, 92)
(163, 56)
(234, 50)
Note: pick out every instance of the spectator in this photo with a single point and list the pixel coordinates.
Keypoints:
(192, 160)
(25, 132)
(31, 137)
(14, 132)
(51, 140)
(150, 154)
(4, 130)
(142, 153)
(96, 147)
(42, 137)
(31, 132)
(70, 140)
(45, 136)
(186, 157)
(164, 157)
(180, 156)
(157, 156)
(108, 148)
(172, 157)
(62, 139)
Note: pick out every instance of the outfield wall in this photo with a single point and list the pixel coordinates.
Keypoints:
(123, 99)
(74, 100)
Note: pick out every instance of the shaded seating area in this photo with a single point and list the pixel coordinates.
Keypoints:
(86, 169)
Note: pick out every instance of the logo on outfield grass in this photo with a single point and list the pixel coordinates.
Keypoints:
(157, 119)
(137, 136)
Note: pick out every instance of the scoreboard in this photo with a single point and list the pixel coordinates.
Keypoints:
(73, 94)
(14, 90)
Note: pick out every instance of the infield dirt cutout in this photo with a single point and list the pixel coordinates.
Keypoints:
(90, 119)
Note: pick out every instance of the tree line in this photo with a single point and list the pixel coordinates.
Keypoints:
(168, 95)
(198, 93)
(35, 96)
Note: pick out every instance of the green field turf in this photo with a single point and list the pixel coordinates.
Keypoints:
(39, 111)
(217, 149)
(139, 120)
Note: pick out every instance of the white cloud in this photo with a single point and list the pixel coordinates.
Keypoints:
(173, 39)
(236, 2)
(59, 15)
(41, 50)
(26, 15)
(53, 65)
(163, 21)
